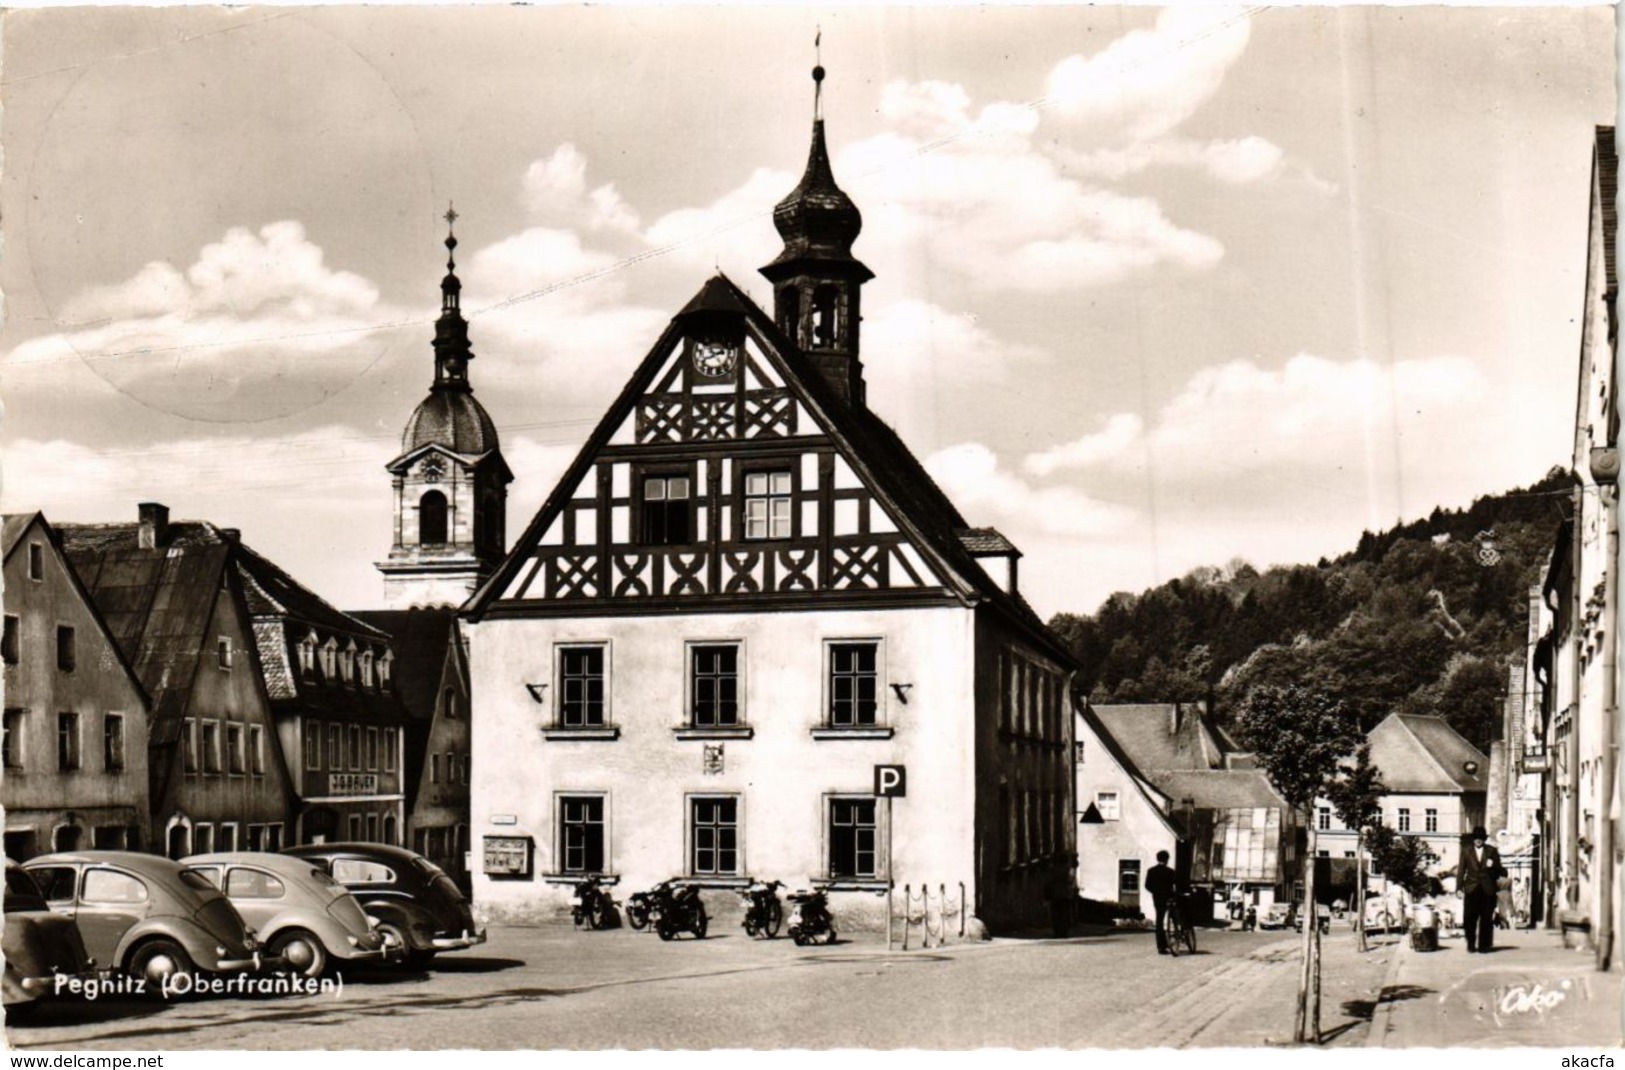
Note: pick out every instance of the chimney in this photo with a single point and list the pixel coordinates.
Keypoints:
(233, 536)
(154, 526)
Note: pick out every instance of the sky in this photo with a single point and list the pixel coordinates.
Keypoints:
(1155, 288)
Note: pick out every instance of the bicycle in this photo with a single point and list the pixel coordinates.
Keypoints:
(1179, 929)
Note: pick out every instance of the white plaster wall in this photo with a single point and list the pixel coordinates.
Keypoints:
(1139, 833)
(781, 775)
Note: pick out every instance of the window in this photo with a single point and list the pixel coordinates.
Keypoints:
(236, 760)
(256, 838)
(824, 326)
(203, 839)
(767, 505)
(228, 836)
(211, 746)
(67, 741)
(581, 686)
(432, 519)
(11, 743)
(390, 745)
(581, 833)
(384, 664)
(854, 684)
(355, 747)
(1404, 822)
(355, 827)
(372, 750)
(347, 664)
(113, 743)
(9, 646)
(353, 871)
(714, 686)
(253, 884)
(111, 886)
(434, 768)
(1077, 751)
(307, 656)
(667, 511)
(222, 652)
(36, 561)
(335, 747)
(1128, 880)
(714, 834)
(189, 745)
(366, 669)
(1106, 802)
(66, 655)
(852, 839)
(1430, 820)
(372, 828)
(273, 837)
(313, 746)
(1323, 817)
(330, 658)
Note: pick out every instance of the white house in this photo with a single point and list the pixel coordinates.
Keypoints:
(1122, 817)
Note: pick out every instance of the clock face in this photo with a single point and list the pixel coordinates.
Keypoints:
(715, 359)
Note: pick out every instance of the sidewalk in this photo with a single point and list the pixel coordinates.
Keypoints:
(1529, 992)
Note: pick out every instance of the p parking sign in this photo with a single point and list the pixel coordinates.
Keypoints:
(891, 781)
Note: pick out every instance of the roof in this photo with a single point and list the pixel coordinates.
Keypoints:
(272, 592)
(419, 638)
(982, 542)
(874, 449)
(1219, 789)
(1608, 189)
(450, 418)
(1141, 782)
(1423, 755)
(1148, 733)
(12, 526)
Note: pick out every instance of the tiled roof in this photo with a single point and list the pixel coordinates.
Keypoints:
(12, 526)
(1424, 754)
(274, 664)
(450, 418)
(1218, 789)
(1148, 734)
(1608, 189)
(980, 541)
(272, 592)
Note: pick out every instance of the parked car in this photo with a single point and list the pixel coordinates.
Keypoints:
(39, 946)
(303, 916)
(416, 904)
(1277, 916)
(1322, 915)
(145, 915)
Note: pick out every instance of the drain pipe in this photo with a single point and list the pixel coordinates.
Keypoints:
(1606, 906)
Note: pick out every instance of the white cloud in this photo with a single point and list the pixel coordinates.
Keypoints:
(971, 475)
(1238, 161)
(734, 232)
(555, 191)
(1112, 440)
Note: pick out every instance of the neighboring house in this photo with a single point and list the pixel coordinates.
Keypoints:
(340, 724)
(431, 677)
(1577, 660)
(1122, 817)
(74, 745)
(748, 635)
(173, 600)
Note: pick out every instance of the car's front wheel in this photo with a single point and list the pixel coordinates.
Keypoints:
(160, 963)
(301, 952)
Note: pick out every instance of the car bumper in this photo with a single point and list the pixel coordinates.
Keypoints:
(387, 953)
(457, 943)
(257, 962)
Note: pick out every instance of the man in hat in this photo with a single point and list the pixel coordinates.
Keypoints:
(1477, 877)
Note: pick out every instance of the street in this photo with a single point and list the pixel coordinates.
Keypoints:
(553, 987)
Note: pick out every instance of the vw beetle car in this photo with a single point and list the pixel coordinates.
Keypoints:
(39, 946)
(416, 904)
(146, 915)
(303, 916)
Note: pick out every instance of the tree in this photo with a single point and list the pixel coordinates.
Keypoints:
(1356, 796)
(1302, 737)
(1403, 859)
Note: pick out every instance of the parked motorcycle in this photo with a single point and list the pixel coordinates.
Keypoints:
(810, 919)
(763, 911)
(590, 903)
(644, 907)
(681, 910)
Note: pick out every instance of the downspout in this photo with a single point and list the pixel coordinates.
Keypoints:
(1608, 497)
(1571, 885)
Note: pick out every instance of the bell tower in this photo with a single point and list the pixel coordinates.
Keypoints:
(817, 282)
(450, 481)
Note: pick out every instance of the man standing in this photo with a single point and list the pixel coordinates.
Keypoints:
(1159, 881)
(1476, 878)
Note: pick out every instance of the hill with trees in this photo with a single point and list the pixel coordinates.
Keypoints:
(1423, 618)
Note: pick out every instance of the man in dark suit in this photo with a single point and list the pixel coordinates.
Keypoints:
(1477, 876)
(1163, 885)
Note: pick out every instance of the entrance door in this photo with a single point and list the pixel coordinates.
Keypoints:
(1128, 882)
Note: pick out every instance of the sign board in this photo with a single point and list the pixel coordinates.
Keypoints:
(352, 784)
(507, 856)
(891, 781)
(711, 760)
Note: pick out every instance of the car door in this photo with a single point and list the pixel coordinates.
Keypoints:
(111, 903)
(259, 896)
(60, 886)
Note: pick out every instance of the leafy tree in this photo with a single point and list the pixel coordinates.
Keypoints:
(1356, 796)
(1403, 859)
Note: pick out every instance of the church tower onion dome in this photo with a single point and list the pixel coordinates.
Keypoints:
(453, 419)
(817, 219)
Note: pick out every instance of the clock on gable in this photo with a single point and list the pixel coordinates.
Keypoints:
(715, 358)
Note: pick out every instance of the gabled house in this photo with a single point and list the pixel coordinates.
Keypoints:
(173, 599)
(74, 744)
(748, 635)
(1123, 819)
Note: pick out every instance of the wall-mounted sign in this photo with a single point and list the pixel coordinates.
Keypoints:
(504, 819)
(711, 760)
(352, 783)
(891, 781)
(508, 856)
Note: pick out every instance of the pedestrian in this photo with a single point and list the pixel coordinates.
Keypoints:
(1160, 882)
(1477, 879)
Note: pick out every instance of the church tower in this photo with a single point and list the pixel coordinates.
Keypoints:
(450, 481)
(816, 279)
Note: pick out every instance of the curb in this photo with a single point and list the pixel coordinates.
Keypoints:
(1377, 1037)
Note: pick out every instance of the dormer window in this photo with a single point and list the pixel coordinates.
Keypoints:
(347, 663)
(330, 659)
(384, 664)
(307, 656)
(366, 669)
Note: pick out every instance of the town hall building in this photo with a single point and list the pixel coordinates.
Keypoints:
(748, 636)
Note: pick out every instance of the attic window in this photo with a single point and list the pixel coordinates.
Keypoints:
(222, 649)
(347, 664)
(384, 664)
(36, 561)
(307, 656)
(366, 669)
(330, 654)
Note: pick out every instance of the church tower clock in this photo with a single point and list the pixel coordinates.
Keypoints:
(450, 481)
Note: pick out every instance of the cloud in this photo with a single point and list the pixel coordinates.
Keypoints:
(1236, 162)
(1116, 436)
(555, 191)
(971, 475)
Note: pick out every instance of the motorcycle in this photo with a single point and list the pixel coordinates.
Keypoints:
(763, 912)
(681, 910)
(590, 903)
(810, 919)
(644, 907)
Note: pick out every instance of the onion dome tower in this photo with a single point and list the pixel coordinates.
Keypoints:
(816, 279)
(450, 481)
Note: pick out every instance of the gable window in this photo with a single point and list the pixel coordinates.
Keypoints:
(113, 743)
(854, 684)
(767, 504)
(235, 758)
(313, 746)
(667, 511)
(581, 833)
(9, 645)
(1430, 820)
(1404, 822)
(11, 743)
(211, 746)
(853, 839)
(189, 746)
(66, 648)
(390, 744)
(432, 519)
(36, 561)
(222, 652)
(581, 686)
(1109, 806)
(714, 685)
(434, 768)
(714, 836)
(256, 750)
(67, 741)
(448, 703)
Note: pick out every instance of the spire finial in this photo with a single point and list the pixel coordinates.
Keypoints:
(818, 73)
(451, 236)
